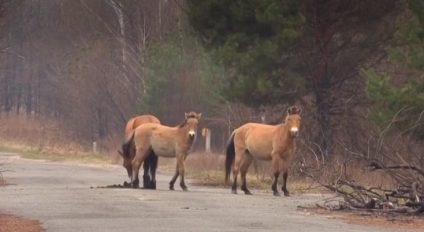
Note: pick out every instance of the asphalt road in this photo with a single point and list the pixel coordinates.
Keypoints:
(62, 197)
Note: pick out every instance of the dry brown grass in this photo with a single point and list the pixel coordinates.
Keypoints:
(39, 138)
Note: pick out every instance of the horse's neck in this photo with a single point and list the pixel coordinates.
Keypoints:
(181, 131)
(283, 132)
(182, 134)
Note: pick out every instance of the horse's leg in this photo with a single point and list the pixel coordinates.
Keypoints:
(146, 177)
(243, 171)
(149, 166)
(284, 188)
(153, 168)
(174, 178)
(276, 173)
(181, 167)
(139, 158)
(237, 161)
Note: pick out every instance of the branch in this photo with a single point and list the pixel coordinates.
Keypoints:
(375, 166)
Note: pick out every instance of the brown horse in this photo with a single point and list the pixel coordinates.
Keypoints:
(165, 142)
(128, 153)
(263, 142)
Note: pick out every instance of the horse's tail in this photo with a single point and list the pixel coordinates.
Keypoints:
(126, 146)
(229, 157)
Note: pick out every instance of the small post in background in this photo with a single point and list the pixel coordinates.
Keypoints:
(95, 150)
(206, 132)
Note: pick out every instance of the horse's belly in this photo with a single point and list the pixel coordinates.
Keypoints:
(163, 150)
(260, 153)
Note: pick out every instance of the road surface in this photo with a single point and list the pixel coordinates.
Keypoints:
(61, 196)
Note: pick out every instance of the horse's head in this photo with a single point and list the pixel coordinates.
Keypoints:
(127, 163)
(293, 120)
(191, 121)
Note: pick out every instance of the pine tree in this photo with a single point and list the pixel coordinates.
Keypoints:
(279, 51)
(405, 101)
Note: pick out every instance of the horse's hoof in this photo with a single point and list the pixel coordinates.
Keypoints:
(146, 184)
(185, 189)
(234, 191)
(277, 194)
(248, 193)
(127, 184)
(135, 183)
(287, 194)
(152, 185)
(171, 188)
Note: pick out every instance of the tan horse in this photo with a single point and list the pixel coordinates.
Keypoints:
(263, 142)
(165, 142)
(137, 121)
(128, 153)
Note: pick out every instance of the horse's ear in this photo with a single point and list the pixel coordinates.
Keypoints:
(290, 110)
(186, 115)
(294, 110)
(120, 153)
(199, 115)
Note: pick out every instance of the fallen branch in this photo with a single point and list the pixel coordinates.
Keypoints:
(375, 166)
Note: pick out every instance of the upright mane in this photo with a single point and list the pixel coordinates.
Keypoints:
(187, 116)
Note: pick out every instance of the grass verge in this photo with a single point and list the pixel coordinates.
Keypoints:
(74, 156)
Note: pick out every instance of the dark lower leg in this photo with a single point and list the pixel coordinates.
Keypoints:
(284, 188)
(153, 167)
(274, 184)
(134, 179)
(182, 183)
(243, 181)
(234, 187)
(174, 178)
(182, 172)
(172, 182)
(135, 183)
(243, 171)
(146, 177)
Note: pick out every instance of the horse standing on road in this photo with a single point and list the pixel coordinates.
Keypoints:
(128, 153)
(165, 142)
(263, 142)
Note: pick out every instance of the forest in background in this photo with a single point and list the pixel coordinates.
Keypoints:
(354, 66)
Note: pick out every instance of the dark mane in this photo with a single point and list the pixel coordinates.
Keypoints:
(183, 123)
(189, 115)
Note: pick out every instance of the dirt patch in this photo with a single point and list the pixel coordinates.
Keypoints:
(371, 219)
(13, 223)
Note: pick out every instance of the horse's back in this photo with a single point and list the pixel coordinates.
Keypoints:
(155, 131)
(255, 129)
(145, 119)
(137, 121)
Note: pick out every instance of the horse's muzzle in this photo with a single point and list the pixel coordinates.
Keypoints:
(191, 134)
(294, 132)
